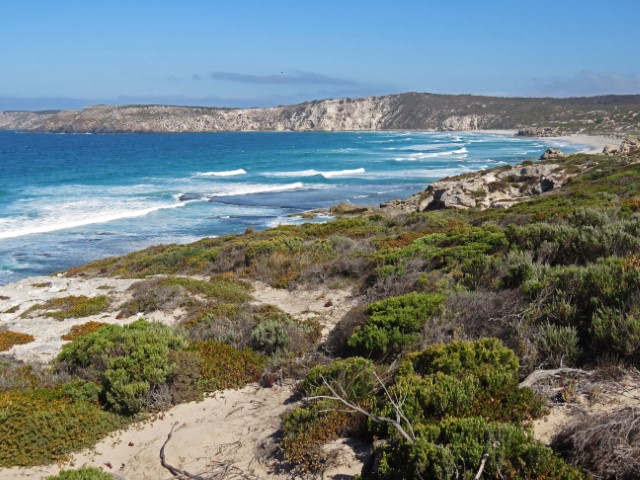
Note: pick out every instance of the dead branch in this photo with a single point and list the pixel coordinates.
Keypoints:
(219, 470)
(538, 375)
(176, 472)
(483, 462)
(397, 405)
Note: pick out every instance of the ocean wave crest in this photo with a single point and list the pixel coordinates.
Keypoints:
(314, 173)
(258, 188)
(72, 218)
(228, 173)
(419, 156)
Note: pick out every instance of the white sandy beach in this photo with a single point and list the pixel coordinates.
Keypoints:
(595, 142)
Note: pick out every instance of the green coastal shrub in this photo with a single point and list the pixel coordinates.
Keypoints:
(567, 244)
(43, 425)
(394, 324)
(455, 448)
(558, 345)
(223, 366)
(306, 429)
(617, 331)
(269, 337)
(459, 379)
(72, 306)
(84, 473)
(131, 363)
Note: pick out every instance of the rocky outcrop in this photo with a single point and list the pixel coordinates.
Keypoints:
(464, 123)
(629, 146)
(415, 111)
(350, 209)
(496, 188)
(552, 153)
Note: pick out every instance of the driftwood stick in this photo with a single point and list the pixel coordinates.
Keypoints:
(176, 472)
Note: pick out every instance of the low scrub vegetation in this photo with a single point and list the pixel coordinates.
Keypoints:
(82, 329)
(9, 338)
(84, 473)
(71, 307)
(394, 324)
(456, 308)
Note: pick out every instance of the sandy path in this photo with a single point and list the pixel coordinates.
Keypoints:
(232, 426)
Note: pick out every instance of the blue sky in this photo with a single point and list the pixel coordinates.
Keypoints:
(67, 53)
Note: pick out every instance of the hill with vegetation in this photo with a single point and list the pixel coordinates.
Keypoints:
(470, 324)
(617, 115)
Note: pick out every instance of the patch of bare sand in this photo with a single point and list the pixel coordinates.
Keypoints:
(235, 426)
(328, 306)
(16, 298)
(571, 400)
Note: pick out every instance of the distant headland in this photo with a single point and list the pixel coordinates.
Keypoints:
(613, 115)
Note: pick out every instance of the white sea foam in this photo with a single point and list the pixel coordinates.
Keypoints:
(228, 173)
(412, 157)
(313, 173)
(71, 218)
(436, 146)
(418, 173)
(250, 189)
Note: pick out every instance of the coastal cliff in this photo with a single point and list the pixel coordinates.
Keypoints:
(613, 115)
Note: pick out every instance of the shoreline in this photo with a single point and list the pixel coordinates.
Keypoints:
(595, 142)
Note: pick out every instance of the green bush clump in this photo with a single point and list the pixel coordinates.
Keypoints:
(462, 244)
(306, 429)
(454, 450)
(558, 345)
(84, 473)
(356, 376)
(395, 324)
(72, 306)
(159, 259)
(567, 244)
(269, 337)
(131, 363)
(40, 426)
(459, 379)
(617, 331)
(223, 366)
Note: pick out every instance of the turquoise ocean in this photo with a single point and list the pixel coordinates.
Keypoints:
(66, 199)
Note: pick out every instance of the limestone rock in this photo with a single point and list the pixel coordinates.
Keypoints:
(552, 153)
(497, 188)
(349, 209)
(629, 146)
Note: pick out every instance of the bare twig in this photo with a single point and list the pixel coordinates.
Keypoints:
(397, 405)
(538, 375)
(218, 470)
(483, 462)
(176, 472)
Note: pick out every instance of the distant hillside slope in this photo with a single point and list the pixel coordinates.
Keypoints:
(612, 115)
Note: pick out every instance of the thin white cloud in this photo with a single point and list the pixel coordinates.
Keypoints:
(295, 77)
(587, 83)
